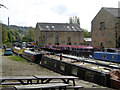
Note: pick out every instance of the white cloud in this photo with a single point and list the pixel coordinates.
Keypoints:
(29, 12)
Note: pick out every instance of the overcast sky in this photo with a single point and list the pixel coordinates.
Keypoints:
(29, 12)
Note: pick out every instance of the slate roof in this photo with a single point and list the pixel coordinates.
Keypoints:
(113, 11)
(58, 27)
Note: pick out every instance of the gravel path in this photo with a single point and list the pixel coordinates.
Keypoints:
(23, 68)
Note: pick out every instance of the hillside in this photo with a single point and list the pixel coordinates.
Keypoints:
(14, 27)
(16, 33)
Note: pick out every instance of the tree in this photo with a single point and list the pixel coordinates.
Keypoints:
(4, 34)
(17, 36)
(74, 20)
(30, 34)
(10, 36)
(86, 33)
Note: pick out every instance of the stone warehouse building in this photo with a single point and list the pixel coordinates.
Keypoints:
(0, 34)
(58, 34)
(106, 28)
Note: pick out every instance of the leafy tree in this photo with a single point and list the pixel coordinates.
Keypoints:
(24, 39)
(30, 34)
(86, 33)
(74, 20)
(10, 36)
(4, 34)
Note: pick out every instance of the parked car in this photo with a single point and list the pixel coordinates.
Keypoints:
(8, 51)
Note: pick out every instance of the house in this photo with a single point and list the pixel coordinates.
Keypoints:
(58, 34)
(106, 28)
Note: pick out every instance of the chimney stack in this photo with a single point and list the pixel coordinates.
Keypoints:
(8, 22)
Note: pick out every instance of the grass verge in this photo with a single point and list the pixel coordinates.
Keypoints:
(16, 58)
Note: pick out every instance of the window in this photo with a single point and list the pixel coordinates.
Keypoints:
(57, 34)
(68, 27)
(109, 34)
(73, 28)
(102, 34)
(102, 26)
(47, 26)
(102, 44)
(96, 35)
(69, 39)
(68, 43)
(53, 27)
(75, 43)
(56, 43)
(57, 40)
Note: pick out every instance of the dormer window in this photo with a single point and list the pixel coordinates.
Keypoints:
(102, 26)
(47, 26)
(68, 27)
(53, 27)
(73, 28)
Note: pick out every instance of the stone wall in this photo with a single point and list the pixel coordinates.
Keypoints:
(0, 33)
(61, 37)
(106, 36)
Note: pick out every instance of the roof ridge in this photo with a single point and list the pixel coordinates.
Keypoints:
(59, 26)
(57, 23)
(109, 8)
